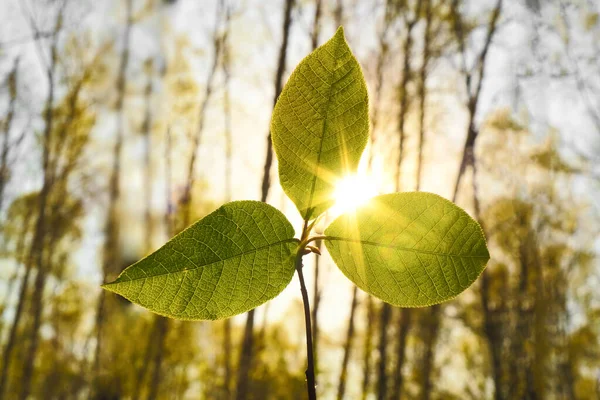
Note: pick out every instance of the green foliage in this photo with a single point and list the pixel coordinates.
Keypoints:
(320, 125)
(409, 249)
(229, 262)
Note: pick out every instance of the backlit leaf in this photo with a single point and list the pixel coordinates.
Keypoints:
(320, 125)
(409, 249)
(229, 262)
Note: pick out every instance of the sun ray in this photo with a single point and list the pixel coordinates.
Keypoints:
(351, 192)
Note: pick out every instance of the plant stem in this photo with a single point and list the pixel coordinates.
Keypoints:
(305, 242)
(310, 369)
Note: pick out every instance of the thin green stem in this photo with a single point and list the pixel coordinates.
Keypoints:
(311, 385)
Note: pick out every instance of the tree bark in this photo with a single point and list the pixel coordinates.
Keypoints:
(382, 384)
(12, 335)
(472, 93)
(148, 228)
(162, 328)
(37, 246)
(227, 381)
(403, 327)
(6, 127)
(37, 308)
(147, 132)
(381, 59)
(403, 88)
(520, 380)
(368, 348)
(18, 255)
(432, 324)
(405, 316)
(241, 391)
(468, 159)
(348, 346)
(338, 14)
(431, 331)
(186, 199)
(379, 74)
(492, 325)
(314, 36)
(110, 250)
(246, 353)
(226, 61)
(141, 373)
(423, 88)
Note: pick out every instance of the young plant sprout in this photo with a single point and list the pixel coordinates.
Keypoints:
(411, 249)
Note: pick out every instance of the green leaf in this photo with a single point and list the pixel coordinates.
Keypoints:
(229, 262)
(320, 125)
(409, 249)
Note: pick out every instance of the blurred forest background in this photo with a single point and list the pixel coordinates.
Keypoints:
(123, 121)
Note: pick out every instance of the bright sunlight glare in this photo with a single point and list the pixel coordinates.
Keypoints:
(351, 192)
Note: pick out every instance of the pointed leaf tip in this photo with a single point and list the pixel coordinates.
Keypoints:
(234, 259)
(320, 125)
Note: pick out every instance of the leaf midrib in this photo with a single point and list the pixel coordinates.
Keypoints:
(326, 114)
(390, 246)
(206, 265)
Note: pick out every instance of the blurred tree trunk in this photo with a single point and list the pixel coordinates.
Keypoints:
(494, 334)
(431, 328)
(423, 72)
(148, 228)
(338, 13)
(404, 323)
(110, 250)
(36, 252)
(226, 65)
(348, 345)
(473, 92)
(54, 373)
(241, 391)
(371, 312)
(62, 160)
(382, 384)
(227, 381)
(143, 369)
(246, 353)
(403, 96)
(382, 58)
(12, 335)
(405, 314)
(162, 328)
(186, 199)
(148, 179)
(262, 333)
(316, 28)
(19, 256)
(521, 382)
(6, 127)
(368, 347)
(403, 99)
(467, 159)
